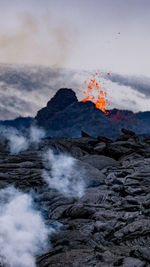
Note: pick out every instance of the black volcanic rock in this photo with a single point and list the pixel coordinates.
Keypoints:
(128, 132)
(110, 224)
(127, 135)
(144, 116)
(99, 161)
(121, 115)
(68, 117)
(65, 116)
(62, 99)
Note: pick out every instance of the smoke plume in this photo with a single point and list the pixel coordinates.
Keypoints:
(23, 234)
(35, 40)
(62, 174)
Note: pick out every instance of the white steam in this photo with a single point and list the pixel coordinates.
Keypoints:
(23, 234)
(62, 174)
(36, 134)
(18, 142)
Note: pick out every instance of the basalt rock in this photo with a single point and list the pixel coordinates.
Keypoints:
(100, 162)
(110, 224)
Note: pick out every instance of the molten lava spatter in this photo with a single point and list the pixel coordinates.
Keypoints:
(95, 92)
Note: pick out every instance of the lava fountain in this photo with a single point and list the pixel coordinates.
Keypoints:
(93, 90)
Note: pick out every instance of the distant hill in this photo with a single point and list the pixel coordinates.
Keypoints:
(18, 123)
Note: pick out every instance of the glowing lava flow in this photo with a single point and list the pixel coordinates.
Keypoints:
(93, 91)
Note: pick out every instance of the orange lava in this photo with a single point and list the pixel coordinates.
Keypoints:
(95, 93)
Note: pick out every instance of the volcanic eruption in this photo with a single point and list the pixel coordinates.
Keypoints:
(93, 90)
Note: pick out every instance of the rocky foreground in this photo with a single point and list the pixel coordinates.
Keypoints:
(110, 224)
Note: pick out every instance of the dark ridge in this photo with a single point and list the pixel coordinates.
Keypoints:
(65, 116)
(18, 123)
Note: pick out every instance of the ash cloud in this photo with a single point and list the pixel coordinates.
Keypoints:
(62, 174)
(23, 233)
(35, 40)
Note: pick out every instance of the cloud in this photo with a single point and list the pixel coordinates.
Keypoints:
(23, 233)
(140, 84)
(12, 106)
(26, 89)
(6, 114)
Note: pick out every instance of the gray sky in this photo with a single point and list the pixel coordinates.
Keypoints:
(109, 35)
(78, 34)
